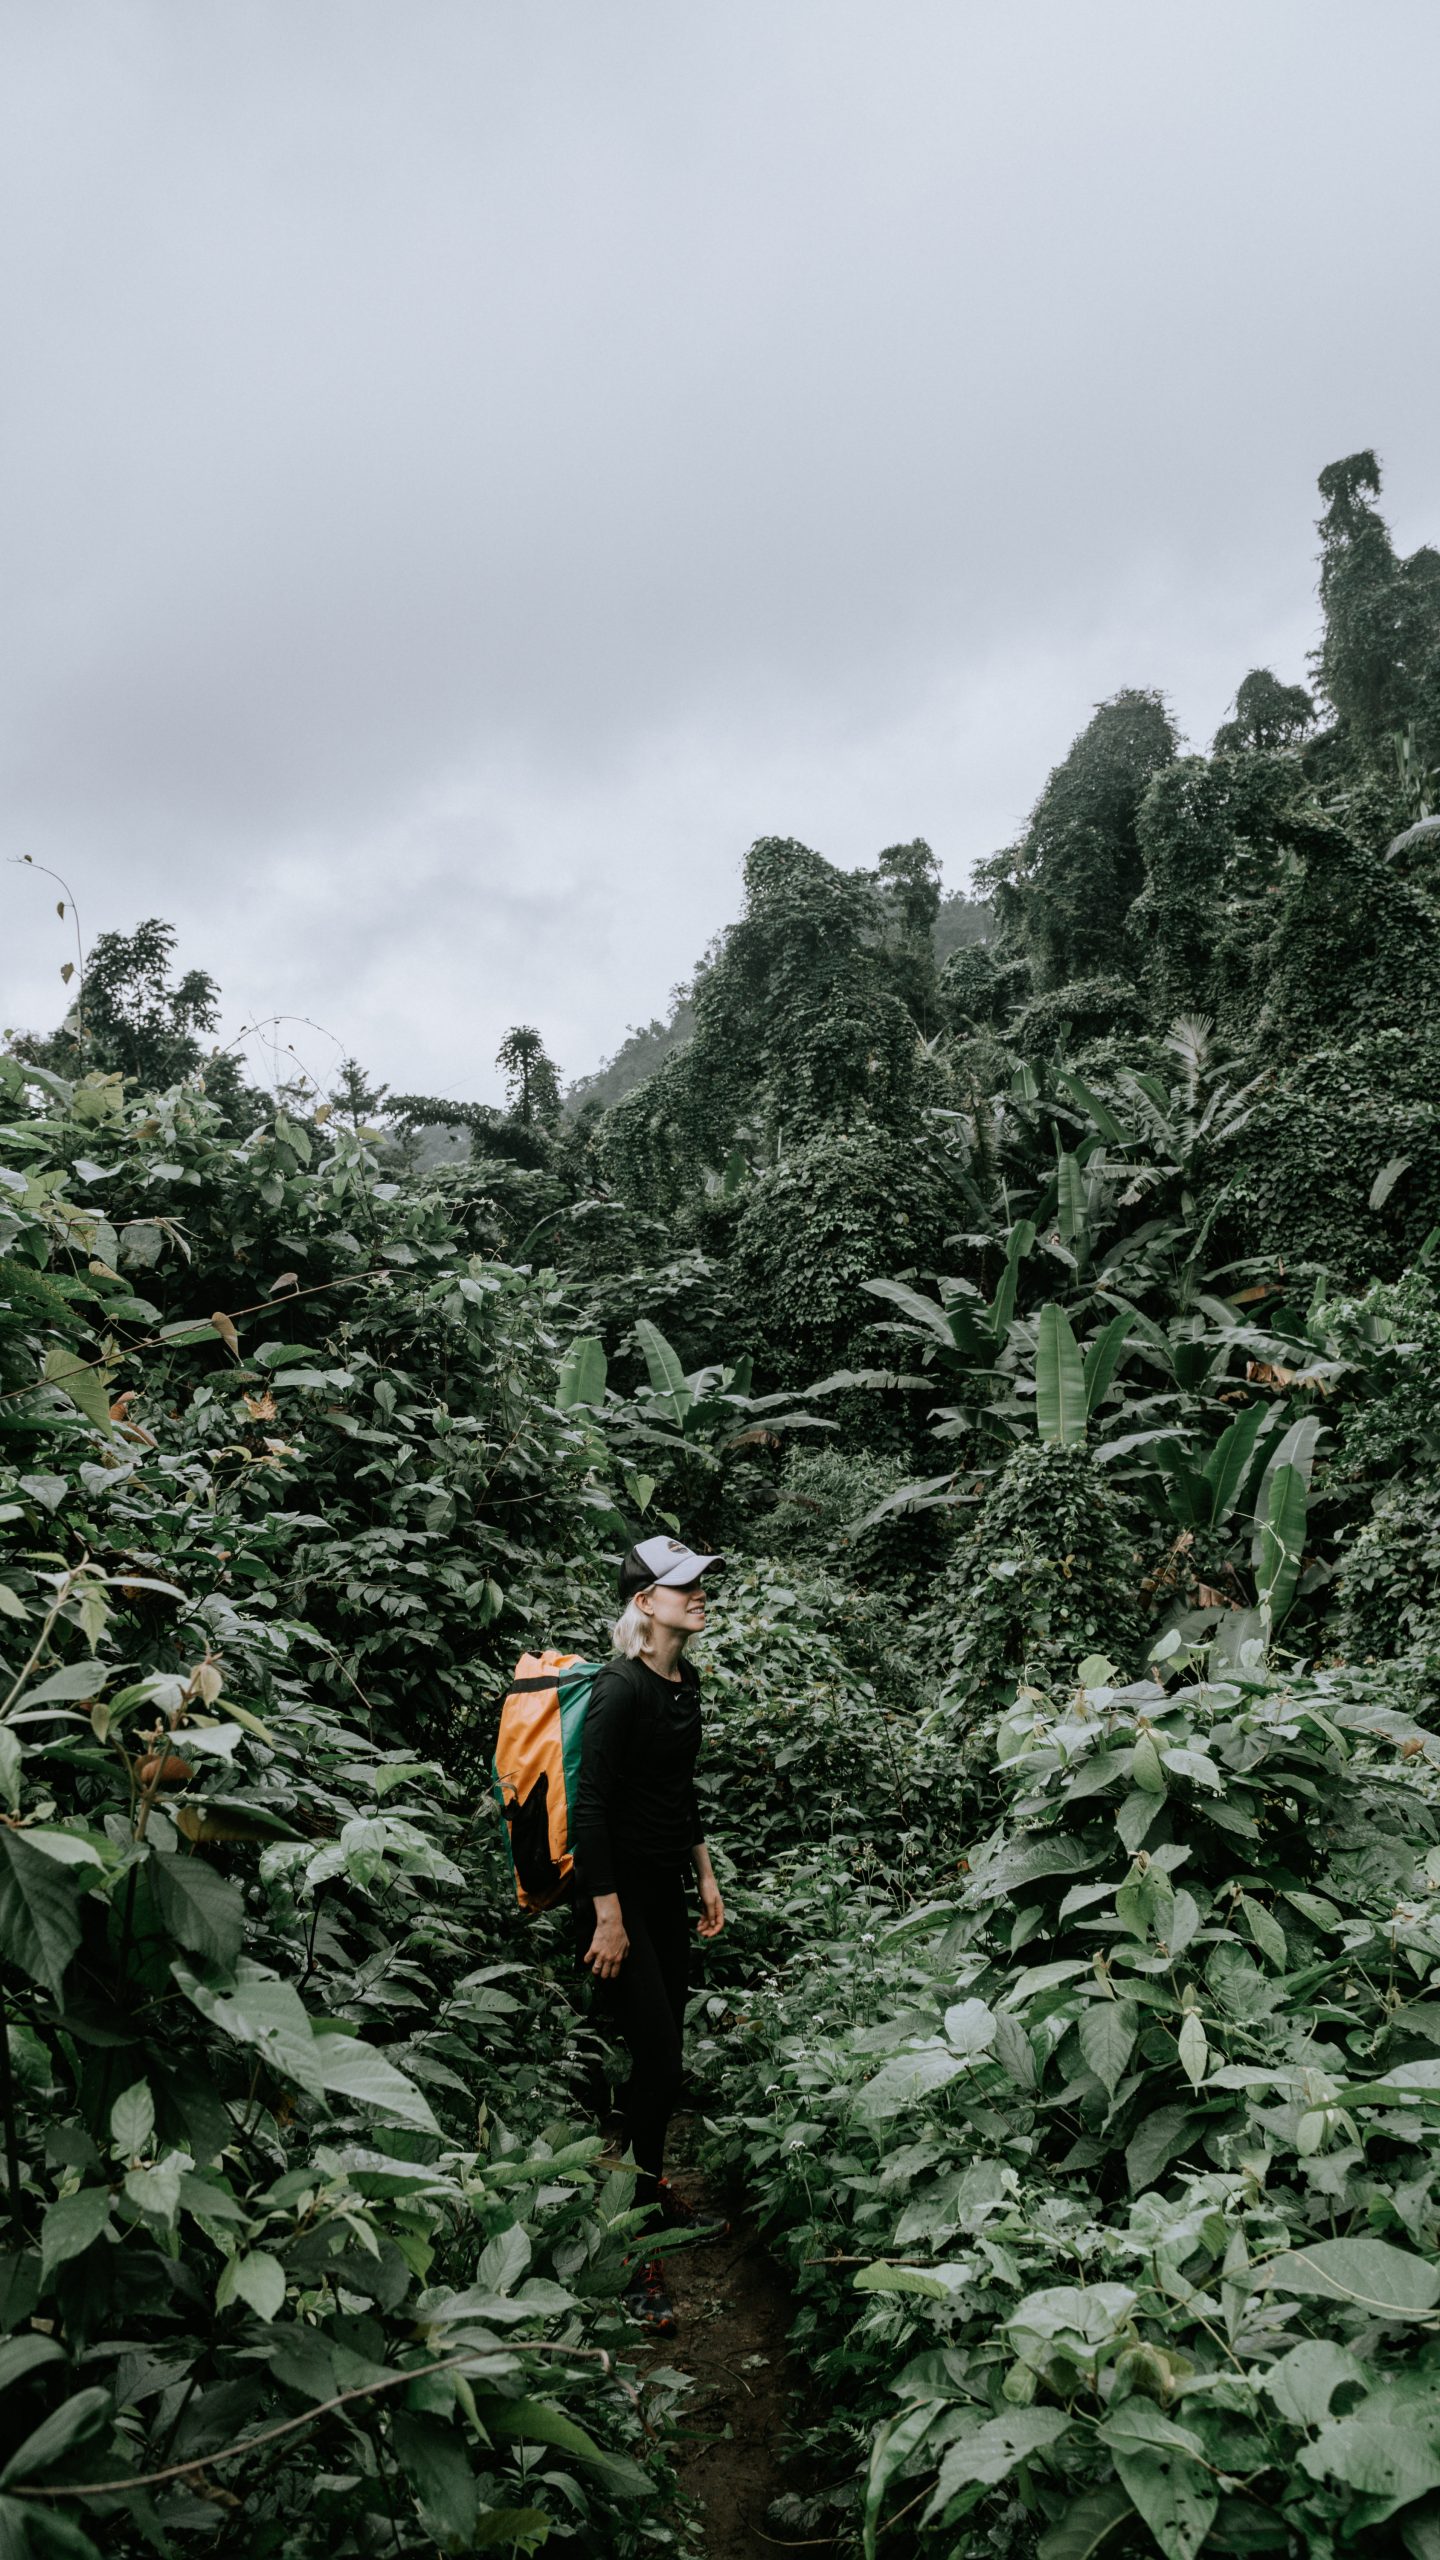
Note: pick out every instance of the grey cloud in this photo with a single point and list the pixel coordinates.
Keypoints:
(486, 464)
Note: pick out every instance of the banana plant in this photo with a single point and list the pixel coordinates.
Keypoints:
(961, 1333)
(1204, 1494)
(706, 1415)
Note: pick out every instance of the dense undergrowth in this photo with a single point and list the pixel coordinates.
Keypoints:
(1048, 1338)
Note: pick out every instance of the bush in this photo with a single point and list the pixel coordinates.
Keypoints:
(1130, 2119)
(1048, 1570)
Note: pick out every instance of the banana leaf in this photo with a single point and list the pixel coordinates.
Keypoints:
(1101, 1357)
(1282, 1541)
(667, 1378)
(1059, 1381)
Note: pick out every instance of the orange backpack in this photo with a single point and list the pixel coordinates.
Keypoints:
(536, 1770)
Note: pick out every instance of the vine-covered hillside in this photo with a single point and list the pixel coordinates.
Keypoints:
(1044, 1322)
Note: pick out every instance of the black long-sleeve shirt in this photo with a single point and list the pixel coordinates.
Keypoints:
(636, 1804)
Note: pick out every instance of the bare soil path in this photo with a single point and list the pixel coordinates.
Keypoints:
(734, 2310)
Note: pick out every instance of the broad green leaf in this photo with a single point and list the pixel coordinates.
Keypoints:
(1137, 1816)
(70, 2226)
(1157, 2140)
(1282, 1541)
(252, 2277)
(1107, 2031)
(1095, 1110)
(1296, 1449)
(1145, 1766)
(990, 2452)
(1389, 2283)
(1184, 1922)
(1267, 1933)
(1161, 2467)
(1386, 1179)
(1013, 2051)
(1069, 1199)
(1391, 2457)
(21, 2355)
(265, 2012)
(351, 2069)
(667, 1378)
(504, 2259)
(970, 2026)
(1193, 2049)
(1097, 1670)
(11, 1604)
(156, 2191)
(85, 1386)
(1229, 1460)
(890, 2451)
(77, 2421)
(1195, 1765)
(437, 2462)
(132, 2121)
(583, 1373)
(202, 1909)
(1075, 2320)
(72, 1680)
(1102, 1354)
(1087, 2525)
(518, 2528)
(1304, 2382)
(1059, 1381)
(922, 1311)
(536, 2422)
(39, 1910)
(1002, 1308)
(10, 1765)
(906, 2079)
(884, 2278)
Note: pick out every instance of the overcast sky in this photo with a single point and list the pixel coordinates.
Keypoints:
(467, 468)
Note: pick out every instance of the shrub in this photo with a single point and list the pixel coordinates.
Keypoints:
(1048, 1569)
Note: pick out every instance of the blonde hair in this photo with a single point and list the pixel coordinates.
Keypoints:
(632, 1629)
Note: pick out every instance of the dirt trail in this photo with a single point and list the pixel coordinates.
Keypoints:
(734, 2311)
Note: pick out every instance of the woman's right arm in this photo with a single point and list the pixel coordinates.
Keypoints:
(602, 1756)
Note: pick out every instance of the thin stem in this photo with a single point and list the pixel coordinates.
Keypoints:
(157, 1341)
(7, 2109)
(307, 2418)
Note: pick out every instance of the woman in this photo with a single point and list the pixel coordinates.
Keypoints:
(637, 1836)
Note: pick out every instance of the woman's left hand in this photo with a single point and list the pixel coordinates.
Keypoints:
(712, 1909)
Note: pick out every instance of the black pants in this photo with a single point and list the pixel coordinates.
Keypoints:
(645, 2004)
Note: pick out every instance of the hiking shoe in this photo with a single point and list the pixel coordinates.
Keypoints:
(678, 2214)
(647, 2301)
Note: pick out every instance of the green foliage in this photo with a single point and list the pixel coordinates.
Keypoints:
(531, 1083)
(818, 1224)
(1081, 1011)
(1130, 2125)
(1269, 716)
(1299, 1182)
(1047, 1567)
(1380, 656)
(1389, 1587)
(1073, 876)
(259, 1966)
(131, 1018)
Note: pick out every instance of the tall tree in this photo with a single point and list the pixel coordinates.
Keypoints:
(532, 1084)
(1069, 884)
(1379, 660)
(1267, 715)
